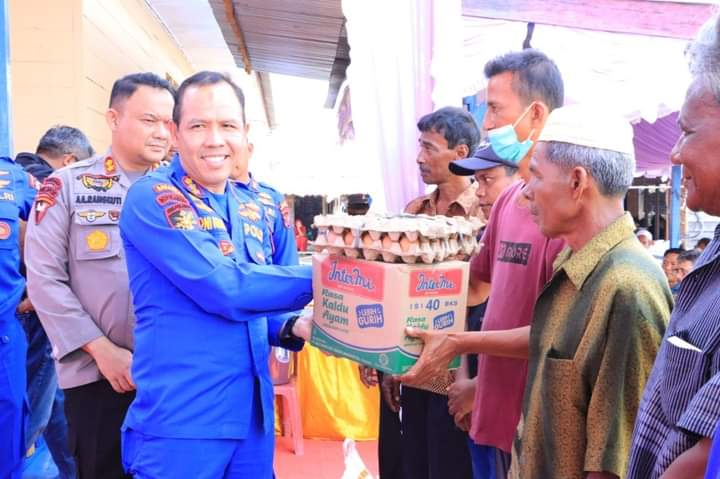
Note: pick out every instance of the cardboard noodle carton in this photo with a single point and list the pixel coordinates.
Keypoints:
(361, 308)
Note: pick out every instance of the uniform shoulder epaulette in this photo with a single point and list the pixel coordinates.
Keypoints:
(82, 163)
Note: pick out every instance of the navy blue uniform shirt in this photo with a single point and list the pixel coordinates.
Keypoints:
(207, 309)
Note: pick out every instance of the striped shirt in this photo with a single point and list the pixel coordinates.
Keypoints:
(681, 403)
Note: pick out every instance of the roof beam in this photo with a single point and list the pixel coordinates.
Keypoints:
(643, 17)
(235, 25)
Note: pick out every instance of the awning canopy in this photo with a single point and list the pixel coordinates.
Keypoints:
(643, 78)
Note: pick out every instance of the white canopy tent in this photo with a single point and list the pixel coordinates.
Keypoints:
(636, 76)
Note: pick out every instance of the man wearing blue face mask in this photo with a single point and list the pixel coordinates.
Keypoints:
(523, 88)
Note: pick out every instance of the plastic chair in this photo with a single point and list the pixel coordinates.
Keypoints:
(291, 419)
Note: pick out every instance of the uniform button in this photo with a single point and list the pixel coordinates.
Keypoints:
(5, 339)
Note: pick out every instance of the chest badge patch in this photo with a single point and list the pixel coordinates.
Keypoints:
(4, 230)
(98, 182)
(91, 215)
(97, 240)
(226, 247)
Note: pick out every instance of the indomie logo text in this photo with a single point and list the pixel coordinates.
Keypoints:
(353, 277)
(429, 283)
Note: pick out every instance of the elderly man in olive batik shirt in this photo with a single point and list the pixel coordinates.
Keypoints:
(599, 321)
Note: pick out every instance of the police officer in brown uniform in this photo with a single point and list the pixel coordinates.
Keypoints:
(77, 276)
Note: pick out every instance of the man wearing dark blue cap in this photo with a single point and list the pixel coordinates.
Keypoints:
(492, 174)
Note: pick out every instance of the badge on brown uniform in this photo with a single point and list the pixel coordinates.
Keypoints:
(46, 197)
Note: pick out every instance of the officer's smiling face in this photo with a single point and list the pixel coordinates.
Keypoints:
(211, 136)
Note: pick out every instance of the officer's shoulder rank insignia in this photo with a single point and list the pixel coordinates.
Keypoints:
(110, 167)
(46, 197)
(191, 186)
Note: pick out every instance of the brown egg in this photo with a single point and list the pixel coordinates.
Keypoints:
(407, 245)
(367, 240)
(348, 237)
(387, 243)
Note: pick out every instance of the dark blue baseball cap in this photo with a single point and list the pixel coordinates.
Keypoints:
(483, 158)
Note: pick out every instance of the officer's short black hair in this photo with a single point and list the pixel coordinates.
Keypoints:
(124, 87)
(61, 140)
(535, 76)
(690, 255)
(458, 127)
(677, 251)
(205, 78)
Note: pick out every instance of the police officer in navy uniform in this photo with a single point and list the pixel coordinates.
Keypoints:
(77, 274)
(207, 307)
(272, 210)
(17, 192)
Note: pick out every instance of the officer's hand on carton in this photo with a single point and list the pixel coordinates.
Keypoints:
(391, 392)
(438, 350)
(303, 327)
(113, 362)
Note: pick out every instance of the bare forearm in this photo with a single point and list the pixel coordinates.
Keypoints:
(690, 464)
(509, 343)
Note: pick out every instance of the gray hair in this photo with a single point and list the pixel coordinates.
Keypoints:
(61, 140)
(611, 170)
(703, 55)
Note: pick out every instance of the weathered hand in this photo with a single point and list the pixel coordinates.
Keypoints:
(25, 306)
(303, 327)
(113, 362)
(461, 395)
(368, 376)
(463, 421)
(433, 362)
(391, 392)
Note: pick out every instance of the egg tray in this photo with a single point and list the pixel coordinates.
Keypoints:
(407, 238)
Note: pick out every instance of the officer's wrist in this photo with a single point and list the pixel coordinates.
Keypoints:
(286, 332)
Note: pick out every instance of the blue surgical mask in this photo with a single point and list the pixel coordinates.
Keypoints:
(505, 142)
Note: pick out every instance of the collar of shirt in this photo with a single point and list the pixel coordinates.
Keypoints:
(711, 252)
(578, 266)
(465, 200)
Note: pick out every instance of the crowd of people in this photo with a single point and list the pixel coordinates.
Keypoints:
(160, 271)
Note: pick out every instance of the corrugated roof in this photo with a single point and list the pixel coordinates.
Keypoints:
(289, 37)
